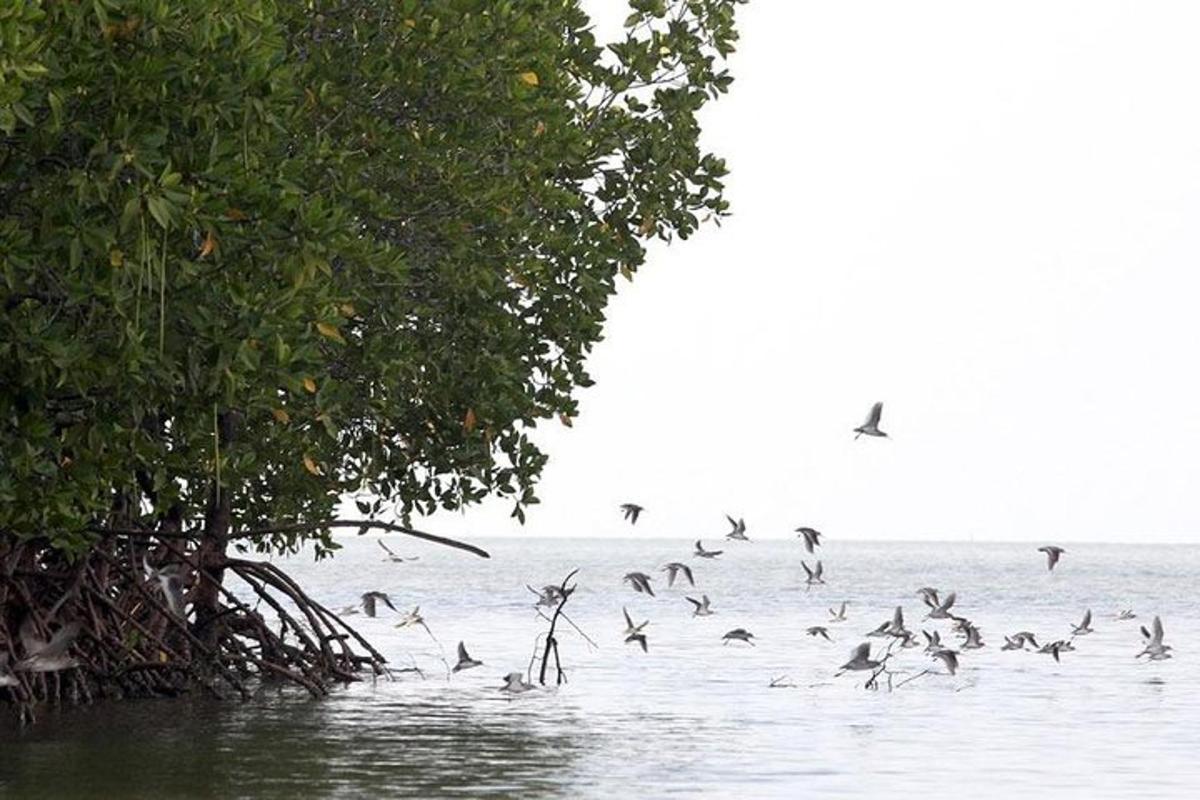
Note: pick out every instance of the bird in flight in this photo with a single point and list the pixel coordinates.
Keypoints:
(939, 610)
(739, 529)
(702, 553)
(860, 659)
(370, 599)
(1154, 642)
(814, 574)
(1053, 554)
(871, 426)
(391, 555)
(839, 615)
(640, 582)
(1084, 627)
(738, 635)
(465, 661)
(632, 510)
(812, 538)
(47, 655)
(674, 568)
(630, 628)
(818, 630)
(947, 657)
(701, 606)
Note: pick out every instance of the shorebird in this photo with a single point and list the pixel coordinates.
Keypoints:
(640, 638)
(884, 629)
(1155, 649)
(812, 538)
(369, 600)
(675, 568)
(412, 619)
(933, 641)
(630, 628)
(896, 626)
(701, 606)
(1054, 648)
(871, 426)
(738, 635)
(929, 595)
(632, 510)
(1053, 553)
(46, 655)
(702, 553)
(514, 683)
(1126, 613)
(391, 556)
(1018, 641)
(168, 583)
(947, 657)
(839, 615)
(1085, 627)
(860, 659)
(817, 630)
(814, 575)
(939, 610)
(640, 582)
(739, 529)
(464, 660)
(549, 595)
(973, 642)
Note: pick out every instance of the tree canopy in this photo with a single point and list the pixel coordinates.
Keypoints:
(258, 255)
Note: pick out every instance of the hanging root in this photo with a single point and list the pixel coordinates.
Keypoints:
(131, 644)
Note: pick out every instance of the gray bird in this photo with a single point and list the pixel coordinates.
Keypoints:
(640, 582)
(871, 426)
(839, 615)
(168, 583)
(1126, 613)
(1053, 553)
(514, 683)
(896, 627)
(702, 553)
(929, 595)
(1018, 641)
(814, 574)
(391, 556)
(940, 610)
(371, 599)
(818, 630)
(1154, 647)
(465, 661)
(860, 659)
(630, 628)
(1084, 627)
(46, 655)
(640, 638)
(933, 641)
(738, 635)
(632, 510)
(701, 606)
(739, 529)
(949, 658)
(674, 568)
(1054, 648)
(812, 538)
(973, 642)
(549, 596)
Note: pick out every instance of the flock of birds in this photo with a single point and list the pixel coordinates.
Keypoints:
(894, 629)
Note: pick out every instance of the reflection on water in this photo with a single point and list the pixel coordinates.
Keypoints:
(692, 717)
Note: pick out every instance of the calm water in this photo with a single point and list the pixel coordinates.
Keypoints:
(691, 718)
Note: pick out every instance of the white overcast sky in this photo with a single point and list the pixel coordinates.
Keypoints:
(986, 216)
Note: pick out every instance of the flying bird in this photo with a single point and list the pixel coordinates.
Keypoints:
(46, 655)
(1084, 627)
(465, 661)
(739, 529)
(738, 635)
(701, 606)
(1126, 613)
(1154, 647)
(812, 538)
(640, 638)
(839, 615)
(939, 610)
(370, 599)
(871, 426)
(675, 568)
(818, 630)
(973, 642)
(391, 556)
(514, 683)
(1018, 641)
(702, 553)
(933, 641)
(640, 582)
(814, 574)
(630, 628)
(168, 583)
(947, 657)
(632, 510)
(1053, 553)
(860, 659)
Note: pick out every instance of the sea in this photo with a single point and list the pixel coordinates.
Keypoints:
(693, 716)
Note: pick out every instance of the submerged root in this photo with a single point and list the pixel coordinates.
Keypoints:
(130, 643)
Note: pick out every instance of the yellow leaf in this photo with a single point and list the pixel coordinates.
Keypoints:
(626, 272)
(347, 310)
(210, 244)
(310, 385)
(469, 420)
(310, 99)
(565, 420)
(539, 129)
(281, 415)
(529, 78)
(330, 332)
(647, 226)
(311, 466)
(410, 23)
(236, 215)
(115, 257)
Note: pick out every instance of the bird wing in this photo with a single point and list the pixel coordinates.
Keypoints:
(691, 600)
(387, 601)
(1087, 618)
(806, 568)
(1158, 631)
(386, 549)
(898, 618)
(687, 573)
(628, 619)
(61, 640)
(948, 602)
(462, 653)
(861, 652)
(820, 568)
(874, 416)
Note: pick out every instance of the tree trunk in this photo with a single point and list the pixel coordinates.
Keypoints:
(211, 549)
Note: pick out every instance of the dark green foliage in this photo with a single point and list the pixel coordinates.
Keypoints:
(378, 237)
